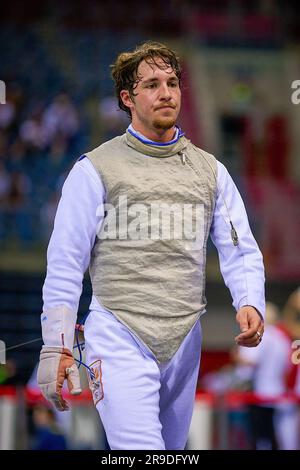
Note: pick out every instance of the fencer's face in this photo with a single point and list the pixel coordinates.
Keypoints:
(157, 99)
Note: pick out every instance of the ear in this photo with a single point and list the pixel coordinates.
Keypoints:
(125, 97)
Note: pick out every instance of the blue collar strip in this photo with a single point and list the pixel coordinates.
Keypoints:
(179, 133)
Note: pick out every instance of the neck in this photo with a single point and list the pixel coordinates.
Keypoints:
(157, 135)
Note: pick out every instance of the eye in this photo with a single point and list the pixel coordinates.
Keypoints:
(151, 85)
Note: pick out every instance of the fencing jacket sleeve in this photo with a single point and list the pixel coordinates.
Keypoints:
(68, 256)
(242, 265)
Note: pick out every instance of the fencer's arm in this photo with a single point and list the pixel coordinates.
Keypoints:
(68, 256)
(69, 250)
(241, 266)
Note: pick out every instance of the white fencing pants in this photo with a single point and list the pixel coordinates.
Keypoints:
(142, 404)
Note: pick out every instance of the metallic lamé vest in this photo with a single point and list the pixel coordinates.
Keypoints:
(147, 267)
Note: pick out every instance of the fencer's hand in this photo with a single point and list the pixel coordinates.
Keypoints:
(251, 326)
(56, 365)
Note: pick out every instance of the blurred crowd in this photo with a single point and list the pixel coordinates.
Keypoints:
(37, 145)
(39, 142)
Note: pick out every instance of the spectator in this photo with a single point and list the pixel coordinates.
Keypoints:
(274, 422)
(48, 436)
(61, 118)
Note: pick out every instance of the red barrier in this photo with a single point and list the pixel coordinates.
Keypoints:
(34, 396)
(232, 399)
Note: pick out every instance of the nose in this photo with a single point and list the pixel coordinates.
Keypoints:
(165, 92)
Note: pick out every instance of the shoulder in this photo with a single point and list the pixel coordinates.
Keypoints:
(202, 153)
(205, 159)
(209, 162)
(83, 174)
(107, 148)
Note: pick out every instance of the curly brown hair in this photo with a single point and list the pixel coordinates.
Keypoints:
(124, 70)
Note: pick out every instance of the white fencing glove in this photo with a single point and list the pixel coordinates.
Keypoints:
(56, 365)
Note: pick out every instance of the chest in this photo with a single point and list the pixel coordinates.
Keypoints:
(172, 180)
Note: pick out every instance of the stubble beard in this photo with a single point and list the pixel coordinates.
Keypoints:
(164, 123)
